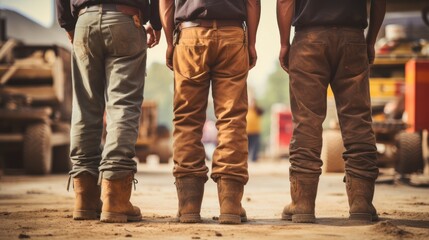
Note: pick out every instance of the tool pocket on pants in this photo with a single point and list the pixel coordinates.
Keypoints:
(238, 57)
(306, 56)
(191, 62)
(127, 39)
(355, 58)
(80, 42)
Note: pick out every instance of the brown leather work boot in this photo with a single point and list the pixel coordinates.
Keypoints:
(87, 205)
(360, 193)
(190, 191)
(117, 207)
(230, 193)
(303, 191)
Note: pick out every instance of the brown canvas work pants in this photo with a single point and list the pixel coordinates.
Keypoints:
(337, 57)
(216, 57)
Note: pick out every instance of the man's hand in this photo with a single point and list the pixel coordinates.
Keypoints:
(169, 56)
(284, 57)
(285, 10)
(157, 37)
(253, 15)
(252, 57)
(376, 16)
(371, 53)
(153, 36)
(70, 35)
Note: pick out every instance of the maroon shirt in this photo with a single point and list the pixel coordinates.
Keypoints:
(67, 10)
(188, 10)
(340, 13)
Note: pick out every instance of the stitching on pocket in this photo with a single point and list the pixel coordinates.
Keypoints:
(190, 65)
(354, 52)
(80, 45)
(236, 50)
(126, 39)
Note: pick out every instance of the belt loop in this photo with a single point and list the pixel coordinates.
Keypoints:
(82, 11)
(246, 34)
(215, 24)
(100, 178)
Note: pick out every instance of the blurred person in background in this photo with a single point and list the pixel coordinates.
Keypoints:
(209, 138)
(254, 115)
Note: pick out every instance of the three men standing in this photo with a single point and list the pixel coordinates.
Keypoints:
(211, 43)
(329, 48)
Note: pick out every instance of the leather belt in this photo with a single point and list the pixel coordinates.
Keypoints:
(211, 23)
(125, 9)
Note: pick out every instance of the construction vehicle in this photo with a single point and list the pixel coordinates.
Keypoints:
(35, 107)
(35, 112)
(153, 138)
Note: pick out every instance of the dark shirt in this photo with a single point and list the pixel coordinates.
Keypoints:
(188, 10)
(341, 13)
(67, 10)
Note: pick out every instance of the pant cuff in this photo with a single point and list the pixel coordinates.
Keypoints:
(240, 179)
(112, 175)
(74, 172)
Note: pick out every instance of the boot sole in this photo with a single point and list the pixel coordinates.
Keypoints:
(85, 215)
(286, 217)
(299, 218)
(366, 217)
(190, 218)
(231, 219)
(109, 217)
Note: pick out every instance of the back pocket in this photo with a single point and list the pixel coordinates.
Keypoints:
(127, 39)
(80, 42)
(356, 58)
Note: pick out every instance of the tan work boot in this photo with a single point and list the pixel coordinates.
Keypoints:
(87, 204)
(190, 191)
(230, 193)
(360, 193)
(117, 207)
(303, 191)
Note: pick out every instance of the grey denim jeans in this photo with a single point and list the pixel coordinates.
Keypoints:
(319, 57)
(109, 64)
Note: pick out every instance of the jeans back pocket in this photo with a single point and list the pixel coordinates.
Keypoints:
(356, 58)
(81, 42)
(126, 39)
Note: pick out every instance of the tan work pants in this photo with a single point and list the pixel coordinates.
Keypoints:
(216, 57)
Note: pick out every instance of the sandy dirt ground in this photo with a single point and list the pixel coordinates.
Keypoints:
(41, 208)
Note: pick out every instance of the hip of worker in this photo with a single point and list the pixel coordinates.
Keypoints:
(138, 11)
